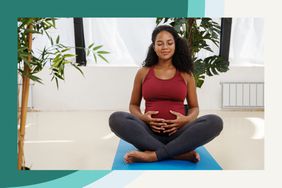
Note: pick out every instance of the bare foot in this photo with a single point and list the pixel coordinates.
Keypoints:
(139, 156)
(192, 156)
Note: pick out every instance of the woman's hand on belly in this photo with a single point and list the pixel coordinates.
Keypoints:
(173, 125)
(156, 124)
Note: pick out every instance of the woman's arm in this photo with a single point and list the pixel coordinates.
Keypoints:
(136, 95)
(192, 100)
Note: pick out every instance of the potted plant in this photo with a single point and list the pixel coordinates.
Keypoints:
(197, 32)
(57, 55)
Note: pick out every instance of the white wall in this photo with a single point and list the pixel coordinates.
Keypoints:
(109, 88)
(101, 88)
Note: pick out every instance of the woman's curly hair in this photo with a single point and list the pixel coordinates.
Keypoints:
(181, 58)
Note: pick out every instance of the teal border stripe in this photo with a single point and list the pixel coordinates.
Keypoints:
(196, 8)
(74, 180)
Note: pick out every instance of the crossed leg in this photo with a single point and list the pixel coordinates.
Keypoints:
(179, 146)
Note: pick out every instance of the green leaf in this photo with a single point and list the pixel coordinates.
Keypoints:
(37, 69)
(209, 72)
(57, 60)
(59, 76)
(53, 22)
(67, 62)
(58, 39)
(95, 58)
(103, 58)
(90, 46)
(97, 47)
(208, 48)
(50, 38)
(215, 64)
(35, 78)
(61, 69)
(57, 83)
(66, 49)
(213, 69)
(75, 66)
(27, 63)
(158, 20)
(103, 52)
(68, 55)
(63, 46)
(200, 81)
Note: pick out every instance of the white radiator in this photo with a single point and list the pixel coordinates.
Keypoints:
(242, 95)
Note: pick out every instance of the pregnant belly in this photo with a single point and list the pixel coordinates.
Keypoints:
(164, 107)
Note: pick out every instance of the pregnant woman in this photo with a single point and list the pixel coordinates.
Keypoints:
(165, 130)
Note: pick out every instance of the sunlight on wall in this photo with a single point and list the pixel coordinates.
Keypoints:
(258, 124)
(108, 136)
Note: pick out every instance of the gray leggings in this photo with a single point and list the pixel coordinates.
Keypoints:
(187, 138)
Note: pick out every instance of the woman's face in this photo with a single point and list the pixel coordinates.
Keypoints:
(164, 45)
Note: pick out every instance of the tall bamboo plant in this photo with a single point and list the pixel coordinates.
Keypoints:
(57, 55)
(197, 32)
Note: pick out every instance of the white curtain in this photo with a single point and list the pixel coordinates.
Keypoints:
(246, 45)
(127, 39)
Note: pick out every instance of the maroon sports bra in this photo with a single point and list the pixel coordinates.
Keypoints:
(164, 95)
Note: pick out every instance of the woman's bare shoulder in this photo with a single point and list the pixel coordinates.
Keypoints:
(188, 77)
(142, 72)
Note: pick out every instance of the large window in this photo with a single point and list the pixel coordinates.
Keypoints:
(127, 39)
(246, 45)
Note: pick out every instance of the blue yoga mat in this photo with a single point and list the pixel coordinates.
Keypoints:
(207, 162)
